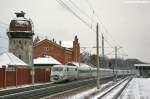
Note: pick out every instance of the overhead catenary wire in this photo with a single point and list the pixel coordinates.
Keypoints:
(85, 14)
(74, 13)
(99, 19)
(66, 6)
(115, 43)
(62, 3)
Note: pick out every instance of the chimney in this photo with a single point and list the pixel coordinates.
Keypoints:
(60, 42)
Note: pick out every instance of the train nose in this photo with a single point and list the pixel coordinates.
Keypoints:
(55, 77)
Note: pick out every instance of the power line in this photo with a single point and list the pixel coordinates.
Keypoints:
(62, 3)
(106, 31)
(85, 14)
(81, 19)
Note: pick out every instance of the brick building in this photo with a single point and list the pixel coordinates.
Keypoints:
(62, 51)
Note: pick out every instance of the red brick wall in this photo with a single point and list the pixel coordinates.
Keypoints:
(48, 73)
(39, 75)
(23, 76)
(55, 50)
(2, 77)
(20, 76)
(10, 78)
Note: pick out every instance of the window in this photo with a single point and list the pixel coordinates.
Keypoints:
(20, 57)
(57, 68)
(71, 69)
(46, 49)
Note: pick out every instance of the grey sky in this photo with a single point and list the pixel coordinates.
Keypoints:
(127, 21)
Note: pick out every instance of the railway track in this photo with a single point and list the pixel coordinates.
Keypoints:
(41, 92)
(34, 93)
(76, 90)
(49, 89)
(115, 91)
(22, 89)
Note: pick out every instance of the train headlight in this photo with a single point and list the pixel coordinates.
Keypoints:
(56, 77)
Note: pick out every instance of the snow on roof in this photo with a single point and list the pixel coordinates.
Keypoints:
(10, 59)
(67, 44)
(142, 65)
(79, 64)
(46, 60)
(20, 18)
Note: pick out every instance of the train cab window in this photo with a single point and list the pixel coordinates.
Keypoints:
(76, 69)
(57, 69)
(67, 69)
(71, 69)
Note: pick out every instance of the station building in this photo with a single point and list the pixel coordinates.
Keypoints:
(63, 51)
(144, 69)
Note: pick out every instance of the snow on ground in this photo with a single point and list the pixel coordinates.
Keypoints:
(86, 93)
(110, 96)
(23, 86)
(114, 92)
(138, 88)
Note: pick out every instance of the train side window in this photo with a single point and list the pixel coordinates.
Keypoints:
(76, 69)
(67, 69)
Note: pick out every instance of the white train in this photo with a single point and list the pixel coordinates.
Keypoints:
(66, 72)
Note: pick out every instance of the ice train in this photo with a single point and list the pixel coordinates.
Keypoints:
(66, 72)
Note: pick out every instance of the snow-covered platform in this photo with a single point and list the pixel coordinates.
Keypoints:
(138, 88)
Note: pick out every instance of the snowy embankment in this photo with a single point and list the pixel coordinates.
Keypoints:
(111, 93)
(95, 93)
(138, 88)
(87, 93)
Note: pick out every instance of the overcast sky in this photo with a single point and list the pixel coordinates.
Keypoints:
(127, 22)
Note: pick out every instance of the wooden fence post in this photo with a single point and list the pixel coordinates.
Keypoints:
(4, 77)
(16, 71)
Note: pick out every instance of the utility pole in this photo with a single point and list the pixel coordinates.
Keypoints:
(102, 50)
(116, 63)
(33, 69)
(97, 50)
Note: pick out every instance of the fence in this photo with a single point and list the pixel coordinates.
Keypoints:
(20, 76)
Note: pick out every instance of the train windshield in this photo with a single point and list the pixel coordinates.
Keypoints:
(57, 69)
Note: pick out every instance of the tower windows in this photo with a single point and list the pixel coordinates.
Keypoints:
(14, 41)
(20, 57)
(19, 41)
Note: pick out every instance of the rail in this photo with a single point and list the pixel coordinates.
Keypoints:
(109, 91)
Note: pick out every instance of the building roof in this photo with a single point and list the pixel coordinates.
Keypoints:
(10, 59)
(67, 44)
(48, 60)
(78, 64)
(20, 23)
(142, 65)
